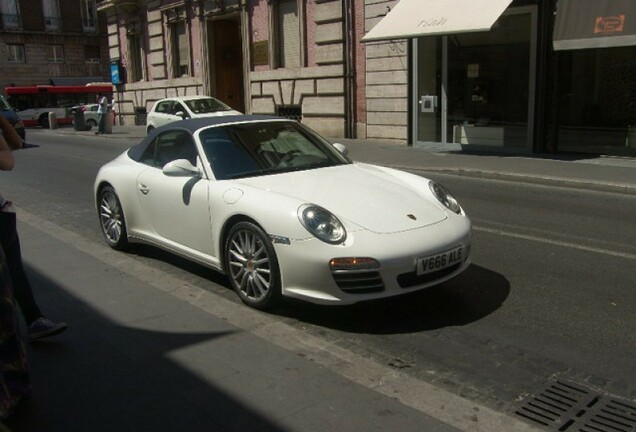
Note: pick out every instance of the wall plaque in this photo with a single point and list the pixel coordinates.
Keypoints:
(260, 53)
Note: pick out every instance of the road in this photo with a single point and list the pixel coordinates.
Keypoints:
(550, 292)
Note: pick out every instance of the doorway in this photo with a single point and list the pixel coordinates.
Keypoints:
(227, 62)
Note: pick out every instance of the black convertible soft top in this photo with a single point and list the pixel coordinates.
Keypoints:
(194, 124)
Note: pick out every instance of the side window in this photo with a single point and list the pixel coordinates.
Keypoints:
(164, 107)
(149, 156)
(170, 146)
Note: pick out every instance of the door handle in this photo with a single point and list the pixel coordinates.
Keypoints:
(144, 189)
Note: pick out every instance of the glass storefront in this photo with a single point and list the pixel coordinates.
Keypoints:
(596, 103)
(476, 90)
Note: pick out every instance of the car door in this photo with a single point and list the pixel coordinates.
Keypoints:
(177, 208)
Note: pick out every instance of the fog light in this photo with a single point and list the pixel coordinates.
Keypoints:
(353, 263)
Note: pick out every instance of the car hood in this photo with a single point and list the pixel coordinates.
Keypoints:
(368, 196)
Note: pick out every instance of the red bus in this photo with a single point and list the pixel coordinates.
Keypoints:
(34, 103)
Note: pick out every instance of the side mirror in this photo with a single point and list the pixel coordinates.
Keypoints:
(181, 168)
(181, 114)
(341, 148)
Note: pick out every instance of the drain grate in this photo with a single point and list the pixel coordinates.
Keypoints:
(567, 406)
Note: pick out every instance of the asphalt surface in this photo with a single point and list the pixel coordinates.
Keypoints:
(147, 352)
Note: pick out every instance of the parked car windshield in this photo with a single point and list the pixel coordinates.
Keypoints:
(254, 149)
(207, 105)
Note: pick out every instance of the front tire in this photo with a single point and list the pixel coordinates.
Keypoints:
(91, 123)
(252, 266)
(111, 219)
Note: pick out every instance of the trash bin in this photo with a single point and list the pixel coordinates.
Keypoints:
(108, 122)
(78, 120)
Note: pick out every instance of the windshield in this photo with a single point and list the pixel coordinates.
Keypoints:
(253, 149)
(207, 105)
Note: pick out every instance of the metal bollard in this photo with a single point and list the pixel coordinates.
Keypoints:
(52, 120)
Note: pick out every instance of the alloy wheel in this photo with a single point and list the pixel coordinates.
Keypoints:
(111, 217)
(249, 265)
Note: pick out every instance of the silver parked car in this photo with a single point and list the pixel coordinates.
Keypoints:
(173, 109)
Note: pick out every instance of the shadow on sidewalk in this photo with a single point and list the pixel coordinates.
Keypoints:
(102, 376)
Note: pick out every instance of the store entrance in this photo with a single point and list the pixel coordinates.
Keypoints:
(476, 90)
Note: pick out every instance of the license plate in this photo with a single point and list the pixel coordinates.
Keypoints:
(442, 260)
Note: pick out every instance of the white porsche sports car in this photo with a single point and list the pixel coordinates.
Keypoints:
(282, 212)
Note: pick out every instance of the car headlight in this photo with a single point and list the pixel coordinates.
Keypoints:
(322, 223)
(445, 197)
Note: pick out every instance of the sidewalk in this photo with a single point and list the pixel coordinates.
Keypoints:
(608, 174)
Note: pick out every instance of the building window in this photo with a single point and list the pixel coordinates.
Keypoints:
(16, 53)
(52, 19)
(180, 49)
(179, 41)
(56, 54)
(289, 34)
(89, 15)
(10, 14)
(91, 53)
(134, 68)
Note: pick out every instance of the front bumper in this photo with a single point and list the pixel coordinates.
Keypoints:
(306, 273)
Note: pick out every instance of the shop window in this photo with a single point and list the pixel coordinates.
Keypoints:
(52, 20)
(16, 53)
(91, 53)
(10, 14)
(89, 15)
(56, 54)
(289, 33)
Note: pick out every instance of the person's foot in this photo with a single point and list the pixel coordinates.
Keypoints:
(44, 327)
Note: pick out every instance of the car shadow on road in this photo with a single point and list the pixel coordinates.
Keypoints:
(473, 295)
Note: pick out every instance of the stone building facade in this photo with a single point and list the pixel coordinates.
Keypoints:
(51, 42)
(296, 58)
(387, 80)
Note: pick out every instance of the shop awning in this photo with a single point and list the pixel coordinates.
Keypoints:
(594, 24)
(414, 18)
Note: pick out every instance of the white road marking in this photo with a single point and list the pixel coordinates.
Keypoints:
(555, 242)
